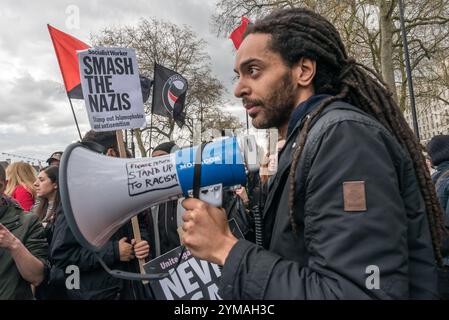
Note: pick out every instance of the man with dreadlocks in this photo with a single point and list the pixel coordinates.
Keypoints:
(351, 212)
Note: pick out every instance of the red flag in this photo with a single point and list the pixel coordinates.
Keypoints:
(237, 35)
(65, 48)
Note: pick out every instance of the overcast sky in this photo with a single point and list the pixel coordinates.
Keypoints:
(35, 116)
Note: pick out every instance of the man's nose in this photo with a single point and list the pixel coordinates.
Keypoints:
(241, 89)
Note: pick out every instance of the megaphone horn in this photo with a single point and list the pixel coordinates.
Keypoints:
(99, 194)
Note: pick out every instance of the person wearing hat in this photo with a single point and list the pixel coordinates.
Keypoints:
(438, 151)
(55, 158)
(164, 149)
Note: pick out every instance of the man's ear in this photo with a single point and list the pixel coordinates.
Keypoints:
(304, 72)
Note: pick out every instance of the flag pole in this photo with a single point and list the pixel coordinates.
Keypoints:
(126, 140)
(151, 128)
(152, 105)
(133, 150)
(74, 116)
(201, 124)
(247, 123)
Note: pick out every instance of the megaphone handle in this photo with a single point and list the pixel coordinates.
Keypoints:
(134, 220)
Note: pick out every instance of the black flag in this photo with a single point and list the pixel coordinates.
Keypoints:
(169, 94)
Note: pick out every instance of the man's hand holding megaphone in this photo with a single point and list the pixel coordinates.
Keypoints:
(206, 231)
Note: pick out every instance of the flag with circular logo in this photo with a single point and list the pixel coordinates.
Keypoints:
(169, 94)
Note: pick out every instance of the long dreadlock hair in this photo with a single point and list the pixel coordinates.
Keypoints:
(299, 32)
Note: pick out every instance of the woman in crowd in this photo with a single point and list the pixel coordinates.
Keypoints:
(46, 208)
(20, 177)
(47, 190)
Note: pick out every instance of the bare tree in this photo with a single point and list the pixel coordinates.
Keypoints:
(179, 49)
(371, 32)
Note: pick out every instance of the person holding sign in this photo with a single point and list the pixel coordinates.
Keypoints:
(350, 213)
(120, 252)
(163, 218)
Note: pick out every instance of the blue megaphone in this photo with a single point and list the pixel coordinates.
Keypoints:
(99, 194)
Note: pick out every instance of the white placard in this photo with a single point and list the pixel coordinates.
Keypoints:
(111, 88)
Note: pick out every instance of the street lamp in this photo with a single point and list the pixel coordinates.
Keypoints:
(408, 69)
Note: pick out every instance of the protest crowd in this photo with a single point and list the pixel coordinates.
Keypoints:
(347, 205)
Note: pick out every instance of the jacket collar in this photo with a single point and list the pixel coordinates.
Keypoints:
(9, 212)
(4, 205)
(285, 155)
(296, 121)
(303, 109)
(443, 166)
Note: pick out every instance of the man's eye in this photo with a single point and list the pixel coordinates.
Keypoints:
(253, 71)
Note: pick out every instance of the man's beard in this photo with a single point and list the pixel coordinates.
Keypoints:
(277, 107)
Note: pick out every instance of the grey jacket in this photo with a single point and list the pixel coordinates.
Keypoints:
(336, 253)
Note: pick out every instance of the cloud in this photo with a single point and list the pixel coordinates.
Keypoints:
(25, 98)
(35, 117)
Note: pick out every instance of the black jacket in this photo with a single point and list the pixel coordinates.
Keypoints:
(165, 237)
(441, 180)
(334, 251)
(235, 209)
(53, 287)
(95, 282)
